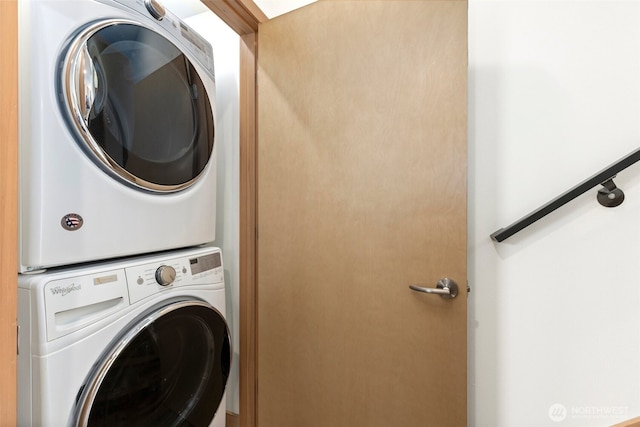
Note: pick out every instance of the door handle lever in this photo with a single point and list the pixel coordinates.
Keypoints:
(446, 288)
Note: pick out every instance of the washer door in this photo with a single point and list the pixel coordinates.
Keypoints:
(138, 105)
(170, 368)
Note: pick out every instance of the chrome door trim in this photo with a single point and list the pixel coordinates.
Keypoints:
(89, 390)
(75, 91)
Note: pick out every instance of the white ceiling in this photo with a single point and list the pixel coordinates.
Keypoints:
(271, 8)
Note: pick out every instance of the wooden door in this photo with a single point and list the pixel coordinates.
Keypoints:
(361, 192)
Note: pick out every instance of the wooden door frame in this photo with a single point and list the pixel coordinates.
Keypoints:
(244, 17)
(8, 208)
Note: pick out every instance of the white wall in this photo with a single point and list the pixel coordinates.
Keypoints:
(554, 320)
(226, 51)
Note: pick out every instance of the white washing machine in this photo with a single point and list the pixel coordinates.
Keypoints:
(138, 342)
(117, 125)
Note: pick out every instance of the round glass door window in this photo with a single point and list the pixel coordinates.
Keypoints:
(170, 369)
(138, 105)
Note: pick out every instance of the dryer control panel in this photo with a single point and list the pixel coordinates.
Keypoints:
(196, 45)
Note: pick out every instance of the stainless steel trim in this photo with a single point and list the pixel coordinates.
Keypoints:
(88, 395)
(85, 74)
(74, 90)
(446, 288)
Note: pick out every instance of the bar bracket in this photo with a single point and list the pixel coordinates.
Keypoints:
(610, 195)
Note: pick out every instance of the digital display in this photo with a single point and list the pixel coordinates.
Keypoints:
(205, 263)
(192, 38)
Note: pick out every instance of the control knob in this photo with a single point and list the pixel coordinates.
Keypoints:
(155, 8)
(165, 275)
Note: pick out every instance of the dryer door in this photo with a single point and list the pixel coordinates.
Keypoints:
(138, 105)
(169, 368)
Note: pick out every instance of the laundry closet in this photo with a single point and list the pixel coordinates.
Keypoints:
(121, 289)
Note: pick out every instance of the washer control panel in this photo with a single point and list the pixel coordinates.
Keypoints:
(77, 297)
(148, 279)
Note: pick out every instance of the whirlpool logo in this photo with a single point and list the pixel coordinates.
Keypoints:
(65, 290)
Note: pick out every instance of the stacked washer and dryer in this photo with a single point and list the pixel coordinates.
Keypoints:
(121, 299)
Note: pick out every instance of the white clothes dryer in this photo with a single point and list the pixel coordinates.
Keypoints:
(136, 342)
(117, 125)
